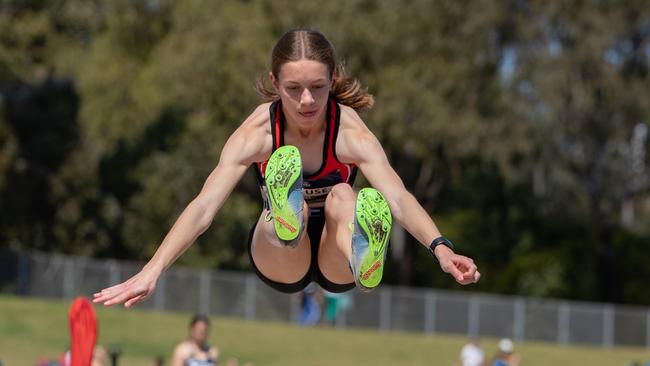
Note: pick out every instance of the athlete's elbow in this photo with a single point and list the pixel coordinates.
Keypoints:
(203, 213)
(396, 202)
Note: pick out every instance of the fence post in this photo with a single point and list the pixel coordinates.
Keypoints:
(204, 292)
(159, 295)
(68, 277)
(519, 325)
(608, 326)
(113, 272)
(647, 329)
(23, 274)
(430, 312)
(563, 323)
(384, 309)
(473, 317)
(249, 311)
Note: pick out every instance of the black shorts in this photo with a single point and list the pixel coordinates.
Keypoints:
(315, 227)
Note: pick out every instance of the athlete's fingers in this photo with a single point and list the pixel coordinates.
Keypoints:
(111, 289)
(453, 270)
(134, 301)
(471, 279)
(467, 266)
(99, 296)
(116, 300)
(477, 276)
(470, 271)
(108, 293)
(98, 299)
(102, 296)
(124, 296)
(463, 269)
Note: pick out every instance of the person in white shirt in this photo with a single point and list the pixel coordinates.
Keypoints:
(472, 354)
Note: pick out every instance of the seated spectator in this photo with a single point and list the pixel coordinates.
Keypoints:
(195, 351)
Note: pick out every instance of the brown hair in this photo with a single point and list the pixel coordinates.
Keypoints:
(197, 318)
(310, 44)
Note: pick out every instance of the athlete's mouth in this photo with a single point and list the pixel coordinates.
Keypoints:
(308, 114)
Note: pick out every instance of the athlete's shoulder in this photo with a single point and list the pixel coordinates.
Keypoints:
(348, 114)
(258, 117)
(251, 142)
(354, 138)
(183, 349)
(256, 124)
(351, 122)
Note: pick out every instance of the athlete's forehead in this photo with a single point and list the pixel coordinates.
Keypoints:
(304, 71)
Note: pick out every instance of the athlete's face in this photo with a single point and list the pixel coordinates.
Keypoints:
(199, 332)
(304, 87)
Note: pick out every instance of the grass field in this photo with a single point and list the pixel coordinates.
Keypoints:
(32, 328)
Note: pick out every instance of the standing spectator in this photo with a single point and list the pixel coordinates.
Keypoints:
(472, 354)
(506, 355)
(310, 305)
(335, 305)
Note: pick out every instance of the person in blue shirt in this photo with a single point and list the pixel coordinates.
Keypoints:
(506, 355)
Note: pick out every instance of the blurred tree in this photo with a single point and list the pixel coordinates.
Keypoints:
(43, 120)
(582, 79)
(496, 114)
(177, 105)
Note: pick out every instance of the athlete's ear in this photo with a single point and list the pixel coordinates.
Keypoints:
(274, 81)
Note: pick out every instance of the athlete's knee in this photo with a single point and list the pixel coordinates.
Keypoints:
(341, 192)
(340, 199)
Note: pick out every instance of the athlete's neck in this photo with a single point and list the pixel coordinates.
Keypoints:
(305, 133)
(295, 130)
(301, 127)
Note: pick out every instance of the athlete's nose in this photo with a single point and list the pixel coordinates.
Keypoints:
(306, 98)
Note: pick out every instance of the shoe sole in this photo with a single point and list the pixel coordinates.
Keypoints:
(282, 171)
(373, 221)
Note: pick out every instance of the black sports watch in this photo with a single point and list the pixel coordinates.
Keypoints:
(441, 240)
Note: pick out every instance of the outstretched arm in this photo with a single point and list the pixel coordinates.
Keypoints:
(245, 146)
(358, 145)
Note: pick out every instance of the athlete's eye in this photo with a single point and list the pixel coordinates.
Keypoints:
(318, 86)
(293, 87)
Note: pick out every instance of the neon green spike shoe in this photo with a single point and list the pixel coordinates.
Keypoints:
(284, 187)
(370, 236)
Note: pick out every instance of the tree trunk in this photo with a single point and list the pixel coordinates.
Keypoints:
(608, 279)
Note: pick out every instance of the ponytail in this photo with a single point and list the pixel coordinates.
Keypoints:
(349, 91)
(267, 93)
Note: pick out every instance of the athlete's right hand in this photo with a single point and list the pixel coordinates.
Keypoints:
(134, 290)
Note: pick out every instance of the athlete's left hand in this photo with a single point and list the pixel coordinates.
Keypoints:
(460, 267)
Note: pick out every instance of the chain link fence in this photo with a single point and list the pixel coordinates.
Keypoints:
(243, 295)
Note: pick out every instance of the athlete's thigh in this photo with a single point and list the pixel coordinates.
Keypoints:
(276, 262)
(335, 245)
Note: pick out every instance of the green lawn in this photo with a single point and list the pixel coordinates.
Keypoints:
(31, 328)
